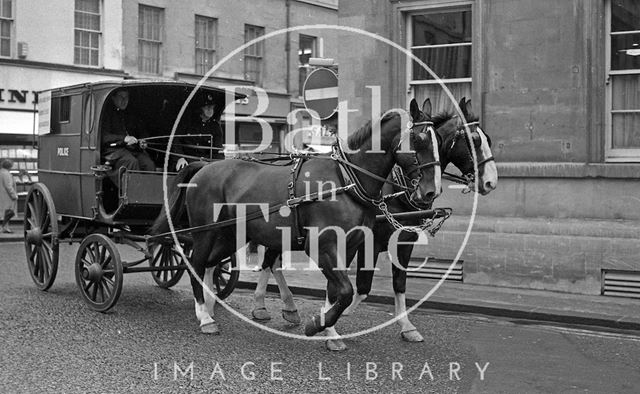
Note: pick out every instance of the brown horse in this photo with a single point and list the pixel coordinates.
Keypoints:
(226, 190)
(456, 148)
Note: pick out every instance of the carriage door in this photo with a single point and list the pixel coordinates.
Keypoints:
(88, 152)
(59, 154)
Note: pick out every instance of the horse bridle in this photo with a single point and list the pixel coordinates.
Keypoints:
(416, 165)
(469, 177)
(339, 156)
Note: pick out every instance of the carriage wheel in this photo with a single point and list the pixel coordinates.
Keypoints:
(165, 255)
(99, 272)
(225, 277)
(41, 236)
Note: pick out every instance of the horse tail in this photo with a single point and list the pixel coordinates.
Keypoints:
(177, 206)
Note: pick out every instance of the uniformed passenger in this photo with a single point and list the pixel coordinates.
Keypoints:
(204, 121)
(123, 134)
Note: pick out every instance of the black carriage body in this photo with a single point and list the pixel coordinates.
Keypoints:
(75, 202)
(71, 152)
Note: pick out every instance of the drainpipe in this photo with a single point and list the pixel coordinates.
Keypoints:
(287, 46)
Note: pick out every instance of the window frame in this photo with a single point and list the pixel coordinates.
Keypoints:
(78, 47)
(159, 63)
(306, 67)
(201, 68)
(437, 7)
(10, 20)
(613, 155)
(255, 52)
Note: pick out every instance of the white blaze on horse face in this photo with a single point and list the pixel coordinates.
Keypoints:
(436, 155)
(490, 175)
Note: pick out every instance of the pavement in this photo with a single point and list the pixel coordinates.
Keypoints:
(17, 227)
(513, 303)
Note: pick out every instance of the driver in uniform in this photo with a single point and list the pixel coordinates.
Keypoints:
(203, 121)
(123, 143)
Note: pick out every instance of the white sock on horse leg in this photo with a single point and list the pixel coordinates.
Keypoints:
(209, 300)
(202, 314)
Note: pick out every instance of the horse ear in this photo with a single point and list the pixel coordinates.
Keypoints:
(463, 106)
(426, 107)
(414, 111)
(468, 105)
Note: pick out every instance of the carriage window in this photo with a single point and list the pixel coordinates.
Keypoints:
(306, 50)
(87, 32)
(206, 33)
(6, 26)
(442, 39)
(65, 109)
(253, 55)
(623, 131)
(150, 33)
(89, 113)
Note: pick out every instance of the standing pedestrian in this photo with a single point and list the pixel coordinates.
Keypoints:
(8, 195)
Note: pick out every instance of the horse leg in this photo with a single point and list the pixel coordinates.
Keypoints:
(338, 288)
(290, 310)
(364, 277)
(408, 331)
(260, 311)
(198, 260)
(209, 299)
(334, 343)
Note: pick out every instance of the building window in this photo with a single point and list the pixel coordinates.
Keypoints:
(206, 33)
(623, 88)
(86, 48)
(442, 39)
(306, 50)
(253, 54)
(150, 32)
(6, 25)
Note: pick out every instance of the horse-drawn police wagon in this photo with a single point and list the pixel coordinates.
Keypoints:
(77, 200)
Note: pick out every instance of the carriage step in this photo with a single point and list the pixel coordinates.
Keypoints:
(435, 268)
(621, 283)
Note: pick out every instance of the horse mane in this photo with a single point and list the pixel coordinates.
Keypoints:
(363, 134)
(445, 116)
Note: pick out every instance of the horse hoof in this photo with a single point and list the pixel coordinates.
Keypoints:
(335, 345)
(261, 314)
(292, 317)
(412, 336)
(312, 327)
(210, 329)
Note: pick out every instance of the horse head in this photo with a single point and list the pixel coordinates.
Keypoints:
(422, 163)
(462, 138)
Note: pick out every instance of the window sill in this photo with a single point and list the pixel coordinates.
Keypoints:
(569, 170)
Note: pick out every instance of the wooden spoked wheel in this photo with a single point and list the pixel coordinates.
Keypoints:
(225, 277)
(99, 272)
(41, 236)
(165, 256)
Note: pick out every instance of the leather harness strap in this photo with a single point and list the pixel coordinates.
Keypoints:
(291, 188)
